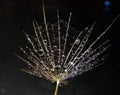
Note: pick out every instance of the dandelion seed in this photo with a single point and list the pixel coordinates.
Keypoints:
(51, 57)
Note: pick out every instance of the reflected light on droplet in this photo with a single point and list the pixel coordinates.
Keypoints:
(107, 3)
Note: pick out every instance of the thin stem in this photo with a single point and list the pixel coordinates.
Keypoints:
(56, 89)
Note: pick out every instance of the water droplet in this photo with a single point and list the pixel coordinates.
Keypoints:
(77, 41)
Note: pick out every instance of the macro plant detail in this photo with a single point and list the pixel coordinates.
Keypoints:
(52, 53)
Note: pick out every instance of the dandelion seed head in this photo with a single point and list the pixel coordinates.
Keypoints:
(51, 56)
(58, 52)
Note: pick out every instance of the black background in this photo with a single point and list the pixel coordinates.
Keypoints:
(16, 16)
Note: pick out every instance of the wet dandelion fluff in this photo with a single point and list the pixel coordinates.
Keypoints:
(56, 56)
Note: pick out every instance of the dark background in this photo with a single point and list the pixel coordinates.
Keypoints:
(16, 16)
